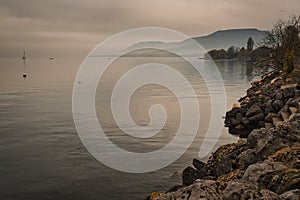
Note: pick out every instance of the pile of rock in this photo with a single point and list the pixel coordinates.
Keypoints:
(265, 165)
(268, 103)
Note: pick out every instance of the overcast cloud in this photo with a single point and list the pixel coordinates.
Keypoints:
(74, 27)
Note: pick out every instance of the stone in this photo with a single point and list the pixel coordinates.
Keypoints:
(270, 116)
(239, 116)
(290, 156)
(232, 112)
(256, 170)
(269, 108)
(280, 181)
(236, 105)
(292, 102)
(189, 175)
(293, 110)
(234, 122)
(288, 86)
(278, 124)
(268, 195)
(255, 119)
(269, 125)
(254, 110)
(277, 104)
(291, 195)
(279, 96)
(199, 165)
(275, 120)
(285, 116)
(201, 189)
(289, 91)
(294, 117)
(297, 93)
(245, 121)
(240, 189)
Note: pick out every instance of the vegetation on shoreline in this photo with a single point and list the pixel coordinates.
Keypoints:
(279, 49)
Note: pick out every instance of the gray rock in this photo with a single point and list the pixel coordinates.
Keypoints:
(254, 171)
(201, 189)
(240, 189)
(291, 195)
(280, 181)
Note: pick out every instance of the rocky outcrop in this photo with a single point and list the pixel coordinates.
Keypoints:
(264, 165)
(269, 102)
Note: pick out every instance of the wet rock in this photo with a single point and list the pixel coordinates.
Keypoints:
(189, 175)
(256, 118)
(199, 165)
(239, 116)
(232, 112)
(245, 121)
(277, 104)
(223, 161)
(254, 110)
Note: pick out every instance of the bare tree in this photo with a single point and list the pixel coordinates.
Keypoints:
(283, 37)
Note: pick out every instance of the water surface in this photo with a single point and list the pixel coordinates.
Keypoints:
(41, 155)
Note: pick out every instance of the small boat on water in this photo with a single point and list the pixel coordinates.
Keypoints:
(51, 58)
(24, 75)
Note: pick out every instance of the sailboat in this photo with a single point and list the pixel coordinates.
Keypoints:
(24, 75)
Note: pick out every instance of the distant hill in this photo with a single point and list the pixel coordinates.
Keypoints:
(221, 39)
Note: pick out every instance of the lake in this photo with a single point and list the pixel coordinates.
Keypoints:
(41, 154)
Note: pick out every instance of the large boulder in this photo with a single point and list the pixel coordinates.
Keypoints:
(201, 189)
(241, 189)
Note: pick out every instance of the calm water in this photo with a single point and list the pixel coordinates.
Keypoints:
(41, 155)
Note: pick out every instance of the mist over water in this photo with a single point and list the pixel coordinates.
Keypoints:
(41, 154)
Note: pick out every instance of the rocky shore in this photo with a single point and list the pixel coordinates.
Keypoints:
(265, 164)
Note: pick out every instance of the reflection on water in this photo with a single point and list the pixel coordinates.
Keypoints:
(41, 155)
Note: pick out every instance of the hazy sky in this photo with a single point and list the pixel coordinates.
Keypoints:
(74, 27)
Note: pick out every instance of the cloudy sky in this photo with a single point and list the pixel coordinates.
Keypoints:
(74, 27)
